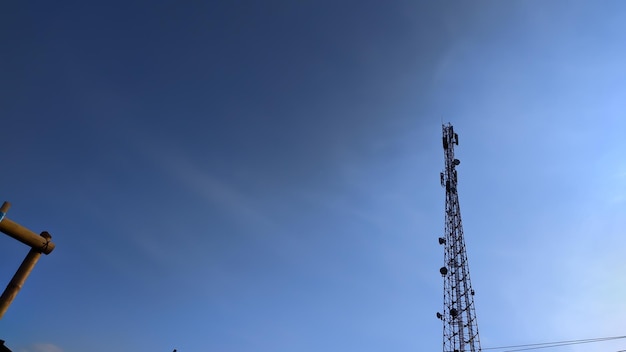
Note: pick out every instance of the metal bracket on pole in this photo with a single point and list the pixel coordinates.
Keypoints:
(39, 244)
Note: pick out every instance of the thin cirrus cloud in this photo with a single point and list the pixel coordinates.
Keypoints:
(42, 347)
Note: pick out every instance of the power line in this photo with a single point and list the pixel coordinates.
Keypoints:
(549, 346)
(556, 342)
(534, 346)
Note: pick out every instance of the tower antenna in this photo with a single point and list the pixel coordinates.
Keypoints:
(460, 329)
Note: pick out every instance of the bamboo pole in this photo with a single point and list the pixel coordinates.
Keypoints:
(23, 234)
(5, 207)
(39, 244)
(18, 280)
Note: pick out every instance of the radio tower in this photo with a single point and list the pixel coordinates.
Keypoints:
(460, 329)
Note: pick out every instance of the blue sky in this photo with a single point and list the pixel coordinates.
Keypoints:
(264, 176)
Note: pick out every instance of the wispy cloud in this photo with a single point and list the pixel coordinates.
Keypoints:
(189, 173)
(42, 347)
(212, 189)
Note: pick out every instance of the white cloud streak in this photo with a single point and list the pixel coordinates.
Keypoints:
(42, 347)
(213, 190)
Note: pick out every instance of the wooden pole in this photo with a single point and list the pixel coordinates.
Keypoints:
(26, 236)
(23, 234)
(39, 244)
(18, 280)
(4, 208)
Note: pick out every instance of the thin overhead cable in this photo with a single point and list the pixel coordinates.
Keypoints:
(535, 346)
(557, 342)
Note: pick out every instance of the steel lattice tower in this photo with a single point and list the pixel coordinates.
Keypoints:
(460, 329)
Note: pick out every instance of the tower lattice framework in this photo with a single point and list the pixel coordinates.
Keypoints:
(460, 329)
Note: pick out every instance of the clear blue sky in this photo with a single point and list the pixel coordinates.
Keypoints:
(264, 175)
